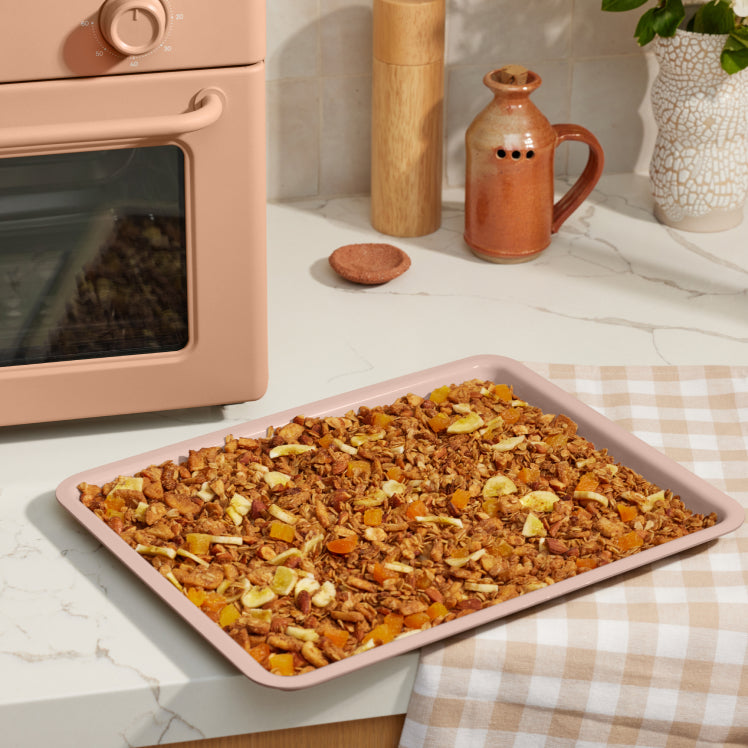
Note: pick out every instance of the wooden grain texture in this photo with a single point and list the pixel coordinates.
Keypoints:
(379, 732)
(408, 32)
(406, 167)
(407, 117)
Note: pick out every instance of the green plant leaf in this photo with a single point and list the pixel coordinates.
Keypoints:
(734, 61)
(738, 38)
(645, 31)
(667, 17)
(713, 18)
(620, 5)
(734, 57)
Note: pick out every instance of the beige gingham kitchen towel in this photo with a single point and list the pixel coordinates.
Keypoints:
(658, 657)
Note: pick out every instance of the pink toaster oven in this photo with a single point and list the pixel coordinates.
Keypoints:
(132, 206)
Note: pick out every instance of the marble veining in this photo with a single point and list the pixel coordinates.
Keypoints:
(81, 641)
(641, 279)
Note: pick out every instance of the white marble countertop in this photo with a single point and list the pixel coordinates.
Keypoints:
(83, 643)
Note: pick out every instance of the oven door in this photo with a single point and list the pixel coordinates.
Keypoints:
(132, 243)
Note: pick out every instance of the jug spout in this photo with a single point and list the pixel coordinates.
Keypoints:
(512, 78)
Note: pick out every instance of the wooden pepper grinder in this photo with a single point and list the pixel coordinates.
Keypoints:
(407, 116)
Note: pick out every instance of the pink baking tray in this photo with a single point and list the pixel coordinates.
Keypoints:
(698, 495)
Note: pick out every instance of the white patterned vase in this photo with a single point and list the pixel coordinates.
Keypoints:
(699, 167)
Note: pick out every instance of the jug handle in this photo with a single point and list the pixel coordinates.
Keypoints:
(587, 179)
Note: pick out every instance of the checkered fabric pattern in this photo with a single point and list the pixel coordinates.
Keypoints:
(657, 657)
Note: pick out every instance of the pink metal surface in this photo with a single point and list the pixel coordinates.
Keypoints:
(226, 237)
(65, 88)
(204, 109)
(66, 39)
(697, 494)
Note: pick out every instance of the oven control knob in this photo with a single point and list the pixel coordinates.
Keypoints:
(133, 27)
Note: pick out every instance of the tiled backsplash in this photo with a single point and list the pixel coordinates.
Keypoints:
(319, 85)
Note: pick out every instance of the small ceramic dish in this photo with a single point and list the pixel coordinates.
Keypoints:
(369, 264)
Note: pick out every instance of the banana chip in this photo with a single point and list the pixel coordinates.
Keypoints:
(498, 485)
(591, 496)
(508, 444)
(465, 425)
(289, 449)
(533, 527)
(539, 501)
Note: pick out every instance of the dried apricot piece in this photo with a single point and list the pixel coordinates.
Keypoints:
(380, 420)
(502, 549)
(416, 509)
(588, 482)
(511, 415)
(229, 614)
(358, 469)
(342, 546)
(326, 441)
(115, 506)
(416, 620)
(626, 512)
(373, 517)
(503, 392)
(260, 652)
(460, 499)
(381, 574)
(437, 610)
(196, 595)
(529, 474)
(281, 664)
(338, 637)
(394, 622)
(460, 553)
(556, 441)
(439, 422)
(380, 634)
(423, 581)
(491, 506)
(440, 394)
(628, 541)
(394, 473)
(281, 531)
(213, 604)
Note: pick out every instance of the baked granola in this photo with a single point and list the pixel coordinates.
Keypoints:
(333, 535)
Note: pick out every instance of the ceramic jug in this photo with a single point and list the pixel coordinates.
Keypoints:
(510, 213)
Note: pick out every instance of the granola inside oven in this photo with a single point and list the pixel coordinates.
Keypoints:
(333, 535)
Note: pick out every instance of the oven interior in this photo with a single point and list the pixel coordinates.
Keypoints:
(93, 261)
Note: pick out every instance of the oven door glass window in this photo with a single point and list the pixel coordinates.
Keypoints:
(93, 259)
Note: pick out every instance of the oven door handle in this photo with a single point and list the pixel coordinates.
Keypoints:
(207, 106)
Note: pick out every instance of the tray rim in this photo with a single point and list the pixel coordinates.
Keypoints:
(730, 513)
